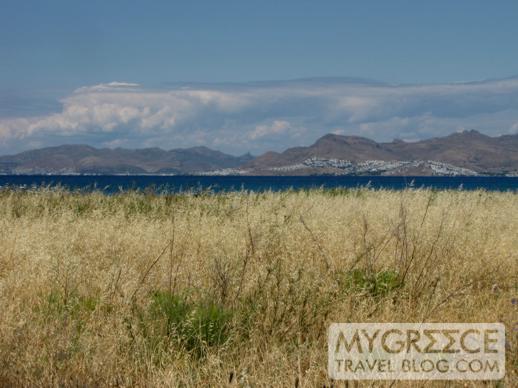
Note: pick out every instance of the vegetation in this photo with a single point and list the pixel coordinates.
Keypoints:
(238, 289)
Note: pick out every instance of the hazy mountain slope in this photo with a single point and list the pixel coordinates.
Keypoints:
(470, 149)
(468, 152)
(330, 146)
(86, 159)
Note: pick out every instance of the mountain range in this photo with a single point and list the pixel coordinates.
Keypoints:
(461, 153)
(83, 159)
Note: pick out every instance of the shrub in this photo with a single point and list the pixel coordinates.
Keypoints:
(376, 284)
(196, 326)
(57, 304)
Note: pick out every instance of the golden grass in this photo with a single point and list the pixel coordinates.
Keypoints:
(238, 289)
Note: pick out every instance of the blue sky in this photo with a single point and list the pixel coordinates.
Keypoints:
(54, 53)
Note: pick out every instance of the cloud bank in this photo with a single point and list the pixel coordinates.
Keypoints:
(255, 117)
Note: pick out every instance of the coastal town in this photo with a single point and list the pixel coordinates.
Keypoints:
(368, 167)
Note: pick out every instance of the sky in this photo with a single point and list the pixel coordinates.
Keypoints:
(243, 76)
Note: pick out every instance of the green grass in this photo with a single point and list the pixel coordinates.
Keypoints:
(195, 326)
(376, 284)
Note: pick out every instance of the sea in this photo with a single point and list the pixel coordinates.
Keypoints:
(175, 184)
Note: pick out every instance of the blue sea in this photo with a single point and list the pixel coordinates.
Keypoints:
(113, 184)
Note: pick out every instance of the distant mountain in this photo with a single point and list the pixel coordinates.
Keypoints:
(462, 153)
(468, 152)
(83, 159)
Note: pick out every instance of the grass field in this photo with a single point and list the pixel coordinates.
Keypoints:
(238, 289)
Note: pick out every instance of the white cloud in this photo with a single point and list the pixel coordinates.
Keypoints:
(260, 116)
(275, 128)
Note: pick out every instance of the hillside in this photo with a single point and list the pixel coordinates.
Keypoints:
(463, 153)
(82, 159)
(469, 152)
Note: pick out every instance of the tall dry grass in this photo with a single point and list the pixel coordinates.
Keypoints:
(238, 289)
